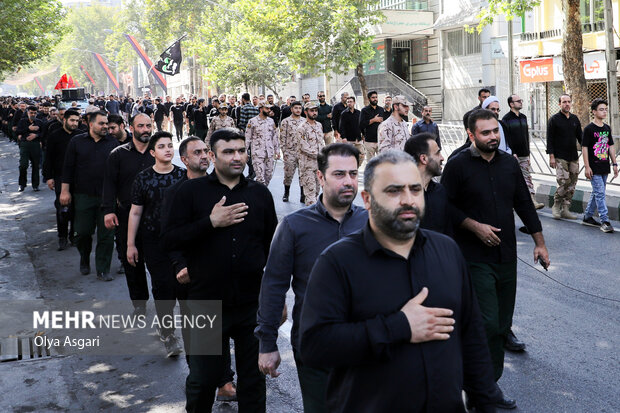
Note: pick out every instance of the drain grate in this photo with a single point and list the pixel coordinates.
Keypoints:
(22, 348)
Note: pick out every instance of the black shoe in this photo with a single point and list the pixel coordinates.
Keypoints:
(84, 267)
(35, 189)
(121, 270)
(104, 276)
(591, 222)
(62, 244)
(512, 343)
(505, 402)
(173, 348)
(287, 189)
(21, 188)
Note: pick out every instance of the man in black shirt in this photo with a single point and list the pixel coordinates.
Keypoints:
(486, 185)
(82, 180)
(350, 126)
(57, 143)
(122, 166)
(29, 131)
(275, 110)
(371, 117)
(325, 118)
(336, 112)
(178, 114)
(286, 108)
(189, 114)
(519, 135)
(400, 306)
(223, 224)
(160, 114)
(387, 107)
(167, 120)
(563, 134)
(200, 120)
(424, 149)
(116, 128)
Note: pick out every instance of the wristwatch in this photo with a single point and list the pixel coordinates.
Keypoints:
(614, 164)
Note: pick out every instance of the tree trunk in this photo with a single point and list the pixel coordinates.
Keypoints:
(572, 61)
(359, 71)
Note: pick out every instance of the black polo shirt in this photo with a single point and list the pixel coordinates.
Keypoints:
(55, 150)
(563, 133)
(350, 125)
(123, 164)
(85, 162)
(351, 323)
(488, 192)
(370, 131)
(223, 263)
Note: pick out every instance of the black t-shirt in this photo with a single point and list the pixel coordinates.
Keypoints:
(148, 191)
(177, 113)
(598, 141)
(160, 112)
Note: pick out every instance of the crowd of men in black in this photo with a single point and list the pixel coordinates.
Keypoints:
(400, 305)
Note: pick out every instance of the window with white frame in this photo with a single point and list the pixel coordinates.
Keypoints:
(460, 43)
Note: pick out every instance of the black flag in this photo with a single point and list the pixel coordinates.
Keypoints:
(170, 60)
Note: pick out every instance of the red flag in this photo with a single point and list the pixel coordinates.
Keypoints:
(62, 83)
(70, 82)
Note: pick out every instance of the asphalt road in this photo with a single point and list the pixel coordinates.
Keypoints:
(571, 363)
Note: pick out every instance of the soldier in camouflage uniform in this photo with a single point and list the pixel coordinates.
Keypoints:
(261, 136)
(219, 122)
(310, 139)
(393, 132)
(289, 145)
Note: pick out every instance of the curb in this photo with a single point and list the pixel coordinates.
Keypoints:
(545, 187)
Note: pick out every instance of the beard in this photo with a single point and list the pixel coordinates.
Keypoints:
(144, 138)
(488, 147)
(393, 226)
(340, 200)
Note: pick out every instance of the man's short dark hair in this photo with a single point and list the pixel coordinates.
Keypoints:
(93, 115)
(246, 97)
(372, 92)
(270, 95)
(351, 97)
(596, 102)
(417, 145)
(132, 119)
(32, 108)
(562, 95)
(483, 90)
(296, 103)
(225, 134)
(336, 149)
(478, 114)
(510, 99)
(393, 156)
(307, 94)
(116, 119)
(201, 100)
(185, 142)
(70, 112)
(157, 136)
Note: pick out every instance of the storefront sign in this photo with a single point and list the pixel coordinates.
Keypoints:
(551, 69)
(377, 64)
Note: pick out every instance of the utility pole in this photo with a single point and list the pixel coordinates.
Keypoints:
(612, 78)
(511, 75)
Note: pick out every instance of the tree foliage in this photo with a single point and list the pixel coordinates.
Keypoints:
(507, 8)
(29, 31)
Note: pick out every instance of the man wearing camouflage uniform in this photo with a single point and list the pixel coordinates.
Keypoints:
(262, 136)
(310, 140)
(393, 132)
(219, 122)
(289, 146)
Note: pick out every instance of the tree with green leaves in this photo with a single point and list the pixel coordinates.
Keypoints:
(30, 30)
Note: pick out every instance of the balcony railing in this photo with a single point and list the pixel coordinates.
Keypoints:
(404, 4)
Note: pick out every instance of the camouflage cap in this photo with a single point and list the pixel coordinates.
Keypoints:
(401, 100)
(223, 106)
(310, 105)
(264, 103)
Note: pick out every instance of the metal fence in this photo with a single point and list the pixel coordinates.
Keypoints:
(454, 136)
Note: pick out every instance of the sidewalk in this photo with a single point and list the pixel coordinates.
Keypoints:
(546, 186)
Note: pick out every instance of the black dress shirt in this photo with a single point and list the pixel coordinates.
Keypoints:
(55, 150)
(85, 162)
(488, 192)
(223, 263)
(200, 118)
(370, 131)
(276, 114)
(176, 257)
(350, 125)
(336, 112)
(285, 112)
(123, 164)
(517, 130)
(437, 216)
(562, 136)
(299, 240)
(351, 323)
(23, 131)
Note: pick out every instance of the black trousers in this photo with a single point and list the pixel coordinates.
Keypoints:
(205, 372)
(64, 215)
(29, 154)
(158, 123)
(163, 280)
(178, 127)
(135, 276)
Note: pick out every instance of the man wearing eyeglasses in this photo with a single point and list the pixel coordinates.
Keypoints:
(492, 103)
(516, 122)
